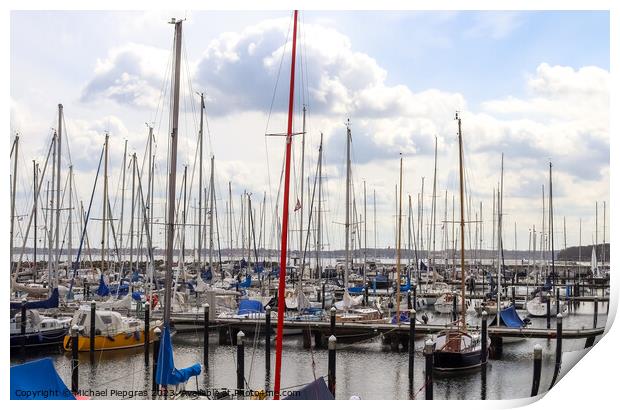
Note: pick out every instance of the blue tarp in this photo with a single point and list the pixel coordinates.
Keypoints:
(137, 296)
(511, 318)
(135, 276)
(50, 303)
(38, 380)
(246, 283)
(103, 289)
(249, 306)
(167, 374)
(317, 390)
(356, 290)
(207, 275)
(404, 318)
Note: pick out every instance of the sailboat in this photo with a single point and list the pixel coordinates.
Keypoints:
(458, 349)
(543, 296)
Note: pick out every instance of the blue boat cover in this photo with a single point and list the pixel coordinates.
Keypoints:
(135, 276)
(511, 318)
(50, 303)
(137, 296)
(249, 306)
(317, 390)
(38, 380)
(207, 275)
(404, 318)
(103, 289)
(167, 374)
(356, 290)
(246, 283)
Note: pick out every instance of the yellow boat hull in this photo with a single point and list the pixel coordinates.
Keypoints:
(119, 341)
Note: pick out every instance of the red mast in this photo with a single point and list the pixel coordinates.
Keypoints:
(287, 177)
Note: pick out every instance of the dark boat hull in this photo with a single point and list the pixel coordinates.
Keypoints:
(454, 361)
(40, 339)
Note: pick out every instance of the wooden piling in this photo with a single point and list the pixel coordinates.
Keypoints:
(74, 359)
(412, 314)
(240, 365)
(537, 369)
(92, 331)
(332, 320)
(22, 328)
(483, 350)
(205, 336)
(156, 343)
(429, 348)
(267, 340)
(147, 331)
(558, 350)
(331, 365)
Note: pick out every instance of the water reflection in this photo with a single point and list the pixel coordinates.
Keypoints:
(367, 369)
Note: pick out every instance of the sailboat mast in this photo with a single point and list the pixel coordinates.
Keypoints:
(104, 218)
(35, 185)
(211, 200)
(551, 224)
(133, 210)
(202, 106)
(301, 209)
(365, 235)
(318, 214)
(122, 200)
(13, 192)
(434, 207)
(178, 29)
(347, 223)
(462, 195)
(500, 262)
(70, 222)
(283, 247)
(400, 216)
(58, 205)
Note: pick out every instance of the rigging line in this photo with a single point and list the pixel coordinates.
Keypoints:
(273, 97)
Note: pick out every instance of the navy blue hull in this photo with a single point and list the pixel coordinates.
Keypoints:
(452, 361)
(40, 339)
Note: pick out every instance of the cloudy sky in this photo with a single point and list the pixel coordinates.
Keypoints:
(531, 85)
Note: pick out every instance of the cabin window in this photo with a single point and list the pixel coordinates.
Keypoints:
(82, 320)
(106, 319)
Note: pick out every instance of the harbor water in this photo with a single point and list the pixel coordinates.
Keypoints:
(122, 374)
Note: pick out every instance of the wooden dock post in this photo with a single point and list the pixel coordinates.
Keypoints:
(454, 311)
(548, 310)
(323, 297)
(147, 331)
(240, 366)
(156, 343)
(92, 331)
(558, 350)
(483, 350)
(537, 369)
(74, 359)
(415, 298)
(331, 365)
(205, 337)
(409, 300)
(307, 338)
(22, 328)
(412, 314)
(557, 301)
(595, 312)
(267, 340)
(429, 348)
